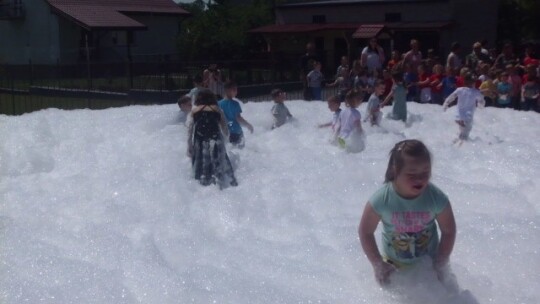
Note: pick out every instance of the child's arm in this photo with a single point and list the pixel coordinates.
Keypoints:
(244, 122)
(325, 125)
(190, 137)
(388, 98)
(449, 100)
(366, 229)
(223, 123)
(447, 225)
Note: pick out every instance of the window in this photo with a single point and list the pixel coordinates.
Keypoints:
(319, 19)
(392, 17)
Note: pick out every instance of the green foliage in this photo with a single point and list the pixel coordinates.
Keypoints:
(219, 29)
(518, 20)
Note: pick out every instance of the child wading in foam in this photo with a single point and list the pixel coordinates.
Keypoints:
(468, 98)
(410, 208)
(334, 107)
(280, 112)
(398, 95)
(349, 127)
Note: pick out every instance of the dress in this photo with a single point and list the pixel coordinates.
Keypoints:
(210, 163)
(399, 109)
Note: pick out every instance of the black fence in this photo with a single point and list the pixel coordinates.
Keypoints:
(144, 80)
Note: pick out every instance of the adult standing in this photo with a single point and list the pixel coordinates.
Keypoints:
(413, 57)
(507, 57)
(453, 60)
(306, 65)
(212, 80)
(476, 57)
(372, 56)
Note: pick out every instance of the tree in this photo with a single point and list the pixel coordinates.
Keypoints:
(219, 29)
(518, 21)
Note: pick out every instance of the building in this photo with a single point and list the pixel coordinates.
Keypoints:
(51, 32)
(342, 27)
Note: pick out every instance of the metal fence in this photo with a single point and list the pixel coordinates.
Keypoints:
(145, 80)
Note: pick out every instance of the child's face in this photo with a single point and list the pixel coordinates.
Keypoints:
(420, 70)
(231, 92)
(185, 107)
(333, 106)
(449, 71)
(280, 97)
(413, 177)
(379, 90)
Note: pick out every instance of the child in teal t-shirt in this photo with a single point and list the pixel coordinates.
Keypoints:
(410, 208)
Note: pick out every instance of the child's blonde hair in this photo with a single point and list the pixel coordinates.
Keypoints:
(411, 148)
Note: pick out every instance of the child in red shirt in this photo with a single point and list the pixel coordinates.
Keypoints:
(436, 84)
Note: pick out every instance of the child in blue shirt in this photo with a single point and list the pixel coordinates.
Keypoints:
(232, 110)
(448, 82)
(410, 208)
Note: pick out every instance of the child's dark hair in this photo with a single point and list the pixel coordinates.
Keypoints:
(412, 148)
(276, 92)
(230, 84)
(184, 99)
(469, 79)
(206, 98)
(197, 79)
(379, 82)
(334, 99)
(397, 75)
(352, 95)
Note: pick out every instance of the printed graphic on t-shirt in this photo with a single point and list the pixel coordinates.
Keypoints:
(412, 236)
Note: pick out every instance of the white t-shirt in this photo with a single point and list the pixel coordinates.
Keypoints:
(373, 59)
(467, 99)
(349, 120)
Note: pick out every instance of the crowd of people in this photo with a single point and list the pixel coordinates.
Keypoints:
(481, 78)
(505, 80)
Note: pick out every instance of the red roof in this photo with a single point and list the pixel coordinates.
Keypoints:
(368, 30)
(109, 14)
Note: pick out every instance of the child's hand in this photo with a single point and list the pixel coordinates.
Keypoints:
(383, 270)
(190, 152)
(250, 128)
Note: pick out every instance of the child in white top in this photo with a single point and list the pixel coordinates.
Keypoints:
(374, 104)
(334, 107)
(349, 127)
(468, 98)
(184, 103)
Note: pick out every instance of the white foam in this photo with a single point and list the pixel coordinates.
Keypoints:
(99, 207)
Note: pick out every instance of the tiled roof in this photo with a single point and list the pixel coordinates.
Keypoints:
(109, 14)
(368, 30)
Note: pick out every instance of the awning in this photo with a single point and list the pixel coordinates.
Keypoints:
(304, 28)
(361, 31)
(368, 30)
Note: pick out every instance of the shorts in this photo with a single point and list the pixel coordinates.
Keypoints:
(237, 140)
